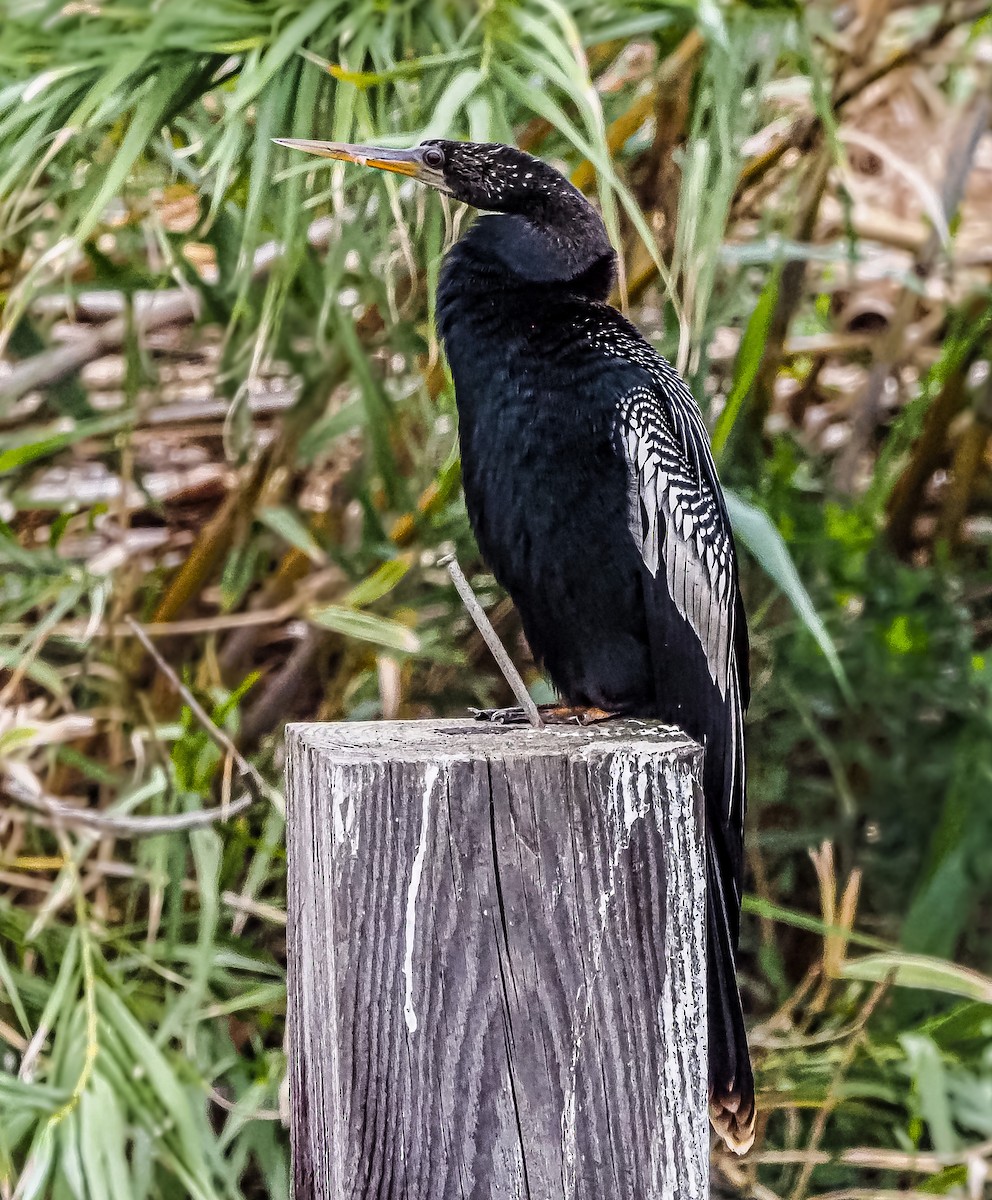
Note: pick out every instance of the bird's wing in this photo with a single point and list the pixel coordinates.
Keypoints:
(678, 519)
(680, 524)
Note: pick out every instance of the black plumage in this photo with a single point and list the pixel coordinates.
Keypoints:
(592, 492)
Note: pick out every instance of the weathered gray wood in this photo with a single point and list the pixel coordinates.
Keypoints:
(496, 962)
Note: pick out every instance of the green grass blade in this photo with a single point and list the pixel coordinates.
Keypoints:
(764, 542)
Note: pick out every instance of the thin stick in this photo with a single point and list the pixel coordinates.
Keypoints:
(249, 776)
(257, 790)
(119, 826)
(832, 1097)
(877, 1159)
(491, 638)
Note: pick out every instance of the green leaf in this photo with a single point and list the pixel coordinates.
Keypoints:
(287, 524)
(263, 996)
(101, 1106)
(746, 367)
(922, 973)
(38, 1097)
(11, 739)
(353, 414)
(32, 444)
(764, 542)
(36, 670)
(798, 920)
(96, 1135)
(382, 581)
(145, 118)
(452, 99)
(930, 1078)
(34, 1178)
(366, 627)
(8, 986)
(154, 1067)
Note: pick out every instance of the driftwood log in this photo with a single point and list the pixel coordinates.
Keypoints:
(496, 962)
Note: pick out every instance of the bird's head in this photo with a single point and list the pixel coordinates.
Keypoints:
(487, 175)
(550, 233)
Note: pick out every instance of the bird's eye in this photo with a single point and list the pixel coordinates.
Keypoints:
(434, 158)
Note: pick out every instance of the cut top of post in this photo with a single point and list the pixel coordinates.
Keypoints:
(466, 740)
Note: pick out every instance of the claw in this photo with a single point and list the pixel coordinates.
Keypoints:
(500, 716)
(553, 714)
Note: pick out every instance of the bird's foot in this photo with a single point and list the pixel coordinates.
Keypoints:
(551, 714)
(501, 716)
(574, 714)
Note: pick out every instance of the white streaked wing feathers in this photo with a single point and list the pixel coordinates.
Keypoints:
(674, 517)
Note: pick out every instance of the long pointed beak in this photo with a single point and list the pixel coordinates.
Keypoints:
(401, 162)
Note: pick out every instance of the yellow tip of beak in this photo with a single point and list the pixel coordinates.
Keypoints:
(400, 162)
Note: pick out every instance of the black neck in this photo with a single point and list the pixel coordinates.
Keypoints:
(569, 249)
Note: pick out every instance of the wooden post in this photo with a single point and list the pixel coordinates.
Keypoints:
(496, 962)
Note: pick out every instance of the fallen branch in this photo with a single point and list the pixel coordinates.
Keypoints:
(154, 310)
(119, 826)
(52, 366)
(193, 627)
(868, 407)
(876, 1159)
(255, 784)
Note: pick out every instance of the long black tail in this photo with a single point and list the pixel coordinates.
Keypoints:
(715, 719)
(731, 1082)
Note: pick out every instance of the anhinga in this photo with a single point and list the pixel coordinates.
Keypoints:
(594, 498)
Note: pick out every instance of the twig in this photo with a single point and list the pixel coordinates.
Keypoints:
(484, 626)
(280, 690)
(951, 20)
(833, 1092)
(969, 455)
(877, 1159)
(255, 784)
(260, 1114)
(170, 307)
(79, 630)
(960, 159)
(119, 826)
(59, 363)
(873, 1193)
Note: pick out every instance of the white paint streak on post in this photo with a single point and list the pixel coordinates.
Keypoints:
(345, 811)
(537, 898)
(683, 1019)
(409, 1013)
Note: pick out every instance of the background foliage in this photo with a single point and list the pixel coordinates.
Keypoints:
(222, 414)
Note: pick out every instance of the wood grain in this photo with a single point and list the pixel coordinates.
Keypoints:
(496, 962)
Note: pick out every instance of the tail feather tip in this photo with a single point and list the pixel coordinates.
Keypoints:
(732, 1116)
